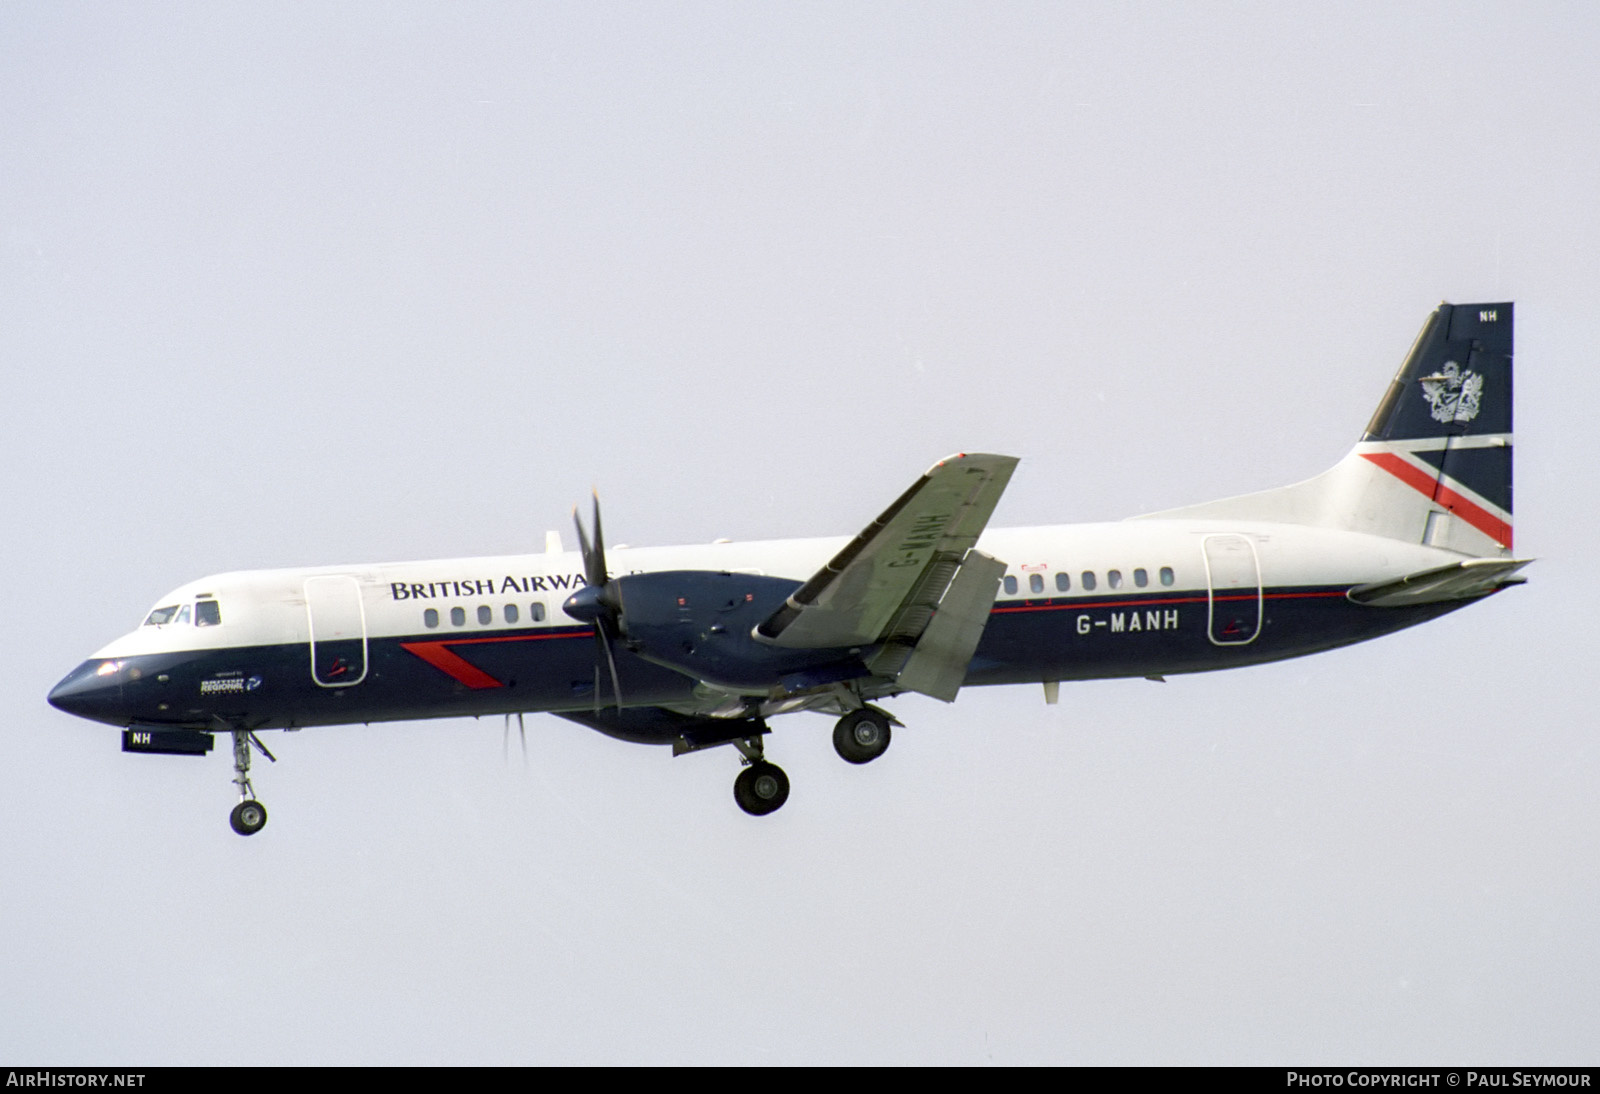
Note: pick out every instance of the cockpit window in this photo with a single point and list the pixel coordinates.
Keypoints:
(206, 613)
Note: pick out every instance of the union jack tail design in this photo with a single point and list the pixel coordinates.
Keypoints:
(1434, 465)
(1444, 429)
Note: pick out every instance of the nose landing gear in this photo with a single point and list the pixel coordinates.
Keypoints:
(249, 816)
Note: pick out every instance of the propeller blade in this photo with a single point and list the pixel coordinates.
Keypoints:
(602, 606)
(584, 548)
(599, 575)
(616, 682)
(593, 551)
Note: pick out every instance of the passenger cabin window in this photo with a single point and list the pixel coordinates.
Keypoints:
(1036, 583)
(1141, 577)
(1087, 578)
(536, 612)
(1114, 578)
(458, 617)
(1011, 585)
(430, 618)
(485, 615)
(207, 614)
(511, 613)
(1166, 575)
(1063, 583)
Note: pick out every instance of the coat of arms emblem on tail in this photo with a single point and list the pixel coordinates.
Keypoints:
(1454, 395)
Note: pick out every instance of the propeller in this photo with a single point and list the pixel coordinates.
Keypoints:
(598, 603)
(505, 739)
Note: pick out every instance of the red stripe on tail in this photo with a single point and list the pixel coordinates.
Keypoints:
(1434, 487)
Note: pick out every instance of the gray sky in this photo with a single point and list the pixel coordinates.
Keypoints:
(282, 285)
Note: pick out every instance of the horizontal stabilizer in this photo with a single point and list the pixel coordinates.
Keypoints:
(1461, 581)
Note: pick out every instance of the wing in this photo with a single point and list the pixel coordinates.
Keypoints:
(885, 585)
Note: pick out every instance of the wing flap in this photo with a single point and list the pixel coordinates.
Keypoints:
(937, 664)
(887, 581)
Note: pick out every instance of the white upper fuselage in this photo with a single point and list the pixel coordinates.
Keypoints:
(268, 607)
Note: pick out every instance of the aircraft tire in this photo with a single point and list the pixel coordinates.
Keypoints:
(861, 736)
(761, 788)
(248, 817)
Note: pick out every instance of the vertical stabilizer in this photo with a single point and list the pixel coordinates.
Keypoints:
(1434, 465)
(1444, 427)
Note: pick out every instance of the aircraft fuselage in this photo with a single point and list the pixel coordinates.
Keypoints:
(458, 637)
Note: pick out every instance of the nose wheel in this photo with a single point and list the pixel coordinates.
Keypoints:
(248, 817)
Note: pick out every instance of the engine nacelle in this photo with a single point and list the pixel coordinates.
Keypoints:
(699, 622)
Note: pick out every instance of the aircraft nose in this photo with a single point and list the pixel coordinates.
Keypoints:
(93, 690)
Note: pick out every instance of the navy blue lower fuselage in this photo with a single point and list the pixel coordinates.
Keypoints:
(554, 669)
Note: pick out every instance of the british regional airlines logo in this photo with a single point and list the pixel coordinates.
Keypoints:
(1454, 395)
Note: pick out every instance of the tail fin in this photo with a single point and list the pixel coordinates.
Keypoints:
(1434, 465)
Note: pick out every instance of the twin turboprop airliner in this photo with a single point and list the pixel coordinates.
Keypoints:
(698, 647)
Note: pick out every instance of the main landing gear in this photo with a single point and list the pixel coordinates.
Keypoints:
(761, 788)
(249, 816)
(862, 735)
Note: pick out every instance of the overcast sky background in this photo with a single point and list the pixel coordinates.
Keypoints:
(287, 285)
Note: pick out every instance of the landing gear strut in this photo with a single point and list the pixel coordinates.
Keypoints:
(761, 788)
(249, 816)
(862, 735)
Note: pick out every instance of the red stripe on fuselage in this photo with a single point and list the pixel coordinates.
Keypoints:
(1131, 602)
(464, 671)
(1434, 487)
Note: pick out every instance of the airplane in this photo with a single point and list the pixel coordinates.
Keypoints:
(700, 646)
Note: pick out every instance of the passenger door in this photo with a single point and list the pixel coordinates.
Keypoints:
(1234, 577)
(338, 631)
